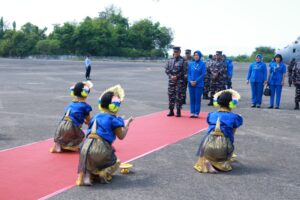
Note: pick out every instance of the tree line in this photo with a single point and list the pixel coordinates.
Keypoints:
(268, 54)
(109, 34)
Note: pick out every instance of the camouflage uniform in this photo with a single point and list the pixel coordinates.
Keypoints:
(175, 67)
(290, 71)
(185, 81)
(207, 80)
(217, 73)
(296, 81)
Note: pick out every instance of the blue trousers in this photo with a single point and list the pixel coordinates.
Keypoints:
(195, 99)
(257, 89)
(275, 90)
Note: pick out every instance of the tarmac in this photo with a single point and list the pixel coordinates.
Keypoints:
(34, 94)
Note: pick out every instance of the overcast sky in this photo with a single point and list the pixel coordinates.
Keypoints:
(234, 26)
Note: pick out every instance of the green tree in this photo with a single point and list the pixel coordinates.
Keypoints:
(65, 35)
(14, 25)
(114, 16)
(147, 35)
(32, 29)
(267, 53)
(48, 47)
(95, 37)
(1, 27)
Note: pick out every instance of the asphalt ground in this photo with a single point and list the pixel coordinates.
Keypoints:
(34, 93)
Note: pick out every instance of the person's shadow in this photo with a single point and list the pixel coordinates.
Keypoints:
(239, 169)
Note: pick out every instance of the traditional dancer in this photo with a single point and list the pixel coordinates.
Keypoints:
(97, 156)
(216, 148)
(69, 135)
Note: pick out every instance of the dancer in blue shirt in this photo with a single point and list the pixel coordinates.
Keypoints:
(97, 156)
(69, 135)
(217, 146)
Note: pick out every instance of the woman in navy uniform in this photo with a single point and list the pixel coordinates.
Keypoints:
(196, 74)
(257, 75)
(276, 80)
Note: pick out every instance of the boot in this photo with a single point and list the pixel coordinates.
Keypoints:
(178, 113)
(171, 113)
(296, 106)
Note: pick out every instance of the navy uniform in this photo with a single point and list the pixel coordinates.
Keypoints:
(290, 71)
(188, 58)
(207, 78)
(229, 71)
(175, 68)
(296, 81)
(218, 76)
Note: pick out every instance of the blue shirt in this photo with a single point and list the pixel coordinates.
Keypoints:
(276, 73)
(257, 72)
(229, 68)
(78, 111)
(228, 122)
(106, 124)
(87, 62)
(196, 72)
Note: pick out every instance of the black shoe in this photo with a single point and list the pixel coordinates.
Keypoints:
(258, 106)
(171, 113)
(253, 106)
(270, 107)
(276, 107)
(178, 113)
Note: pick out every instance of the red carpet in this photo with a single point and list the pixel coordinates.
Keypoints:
(31, 172)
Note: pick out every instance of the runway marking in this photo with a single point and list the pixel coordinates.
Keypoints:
(147, 134)
(35, 83)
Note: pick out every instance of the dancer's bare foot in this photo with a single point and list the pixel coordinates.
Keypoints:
(56, 148)
(87, 179)
(209, 167)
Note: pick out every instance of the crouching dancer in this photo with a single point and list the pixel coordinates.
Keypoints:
(97, 157)
(216, 148)
(68, 135)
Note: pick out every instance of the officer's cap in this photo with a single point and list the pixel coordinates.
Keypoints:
(176, 48)
(219, 52)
